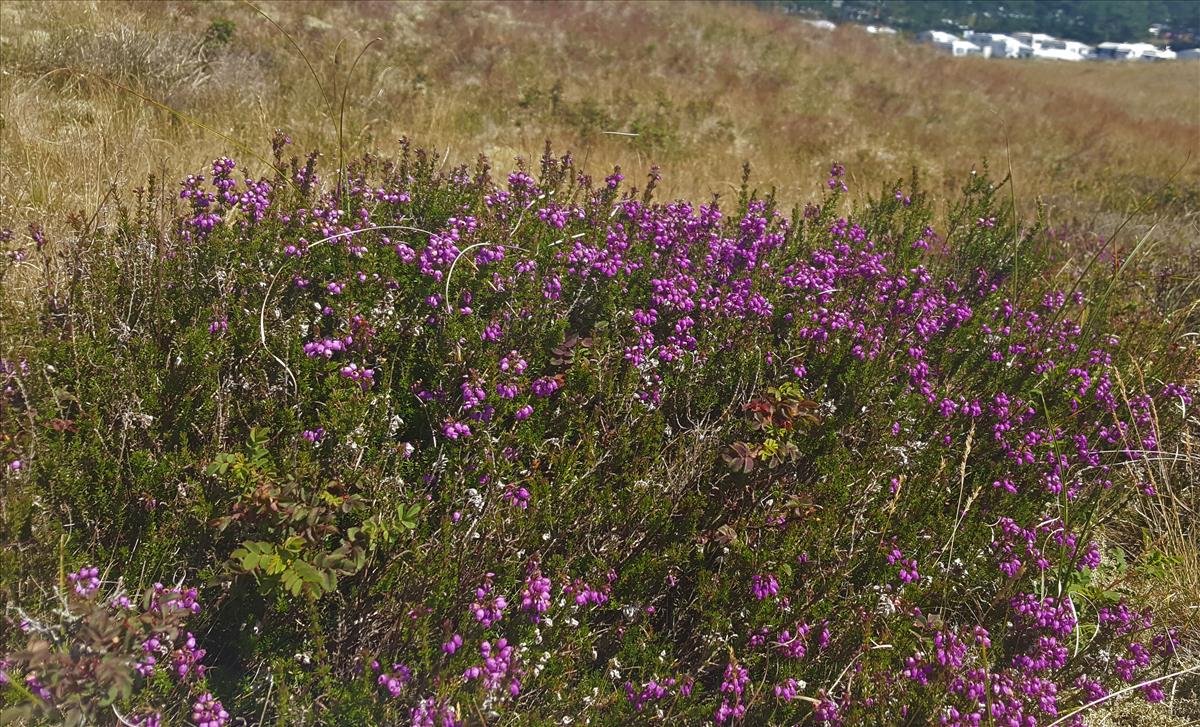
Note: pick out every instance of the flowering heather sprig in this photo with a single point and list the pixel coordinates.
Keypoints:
(512, 363)
(86, 580)
(165, 600)
(836, 182)
(431, 712)
(1048, 613)
(472, 395)
(255, 200)
(535, 595)
(787, 690)
(544, 386)
(517, 496)
(488, 609)
(222, 170)
(325, 348)
(1122, 620)
(793, 646)
(147, 665)
(187, 659)
(364, 376)
(497, 667)
(1177, 391)
(733, 686)
(583, 594)
(207, 711)
(202, 221)
(764, 586)
(650, 692)
(395, 679)
(456, 430)
(147, 719)
(908, 566)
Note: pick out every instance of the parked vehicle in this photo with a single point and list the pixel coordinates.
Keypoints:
(1123, 51)
(999, 45)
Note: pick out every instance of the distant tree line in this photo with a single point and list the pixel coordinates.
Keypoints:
(1176, 22)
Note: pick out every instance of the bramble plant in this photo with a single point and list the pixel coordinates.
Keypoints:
(307, 549)
(443, 449)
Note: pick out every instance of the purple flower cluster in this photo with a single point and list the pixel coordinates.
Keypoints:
(86, 580)
(764, 586)
(187, 659)
(208, 712)
(456, 430)
(654, 691)
(535, 595)
(908, 566)
(583, 594)
(488, 608)
(497, 669)
(395, 679)
(733, 687)
(431, 712)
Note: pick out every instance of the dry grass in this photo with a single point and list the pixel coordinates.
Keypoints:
(705, 86)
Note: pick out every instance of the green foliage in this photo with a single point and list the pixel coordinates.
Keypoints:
(780, 415)
(219, 33)
(308, 541)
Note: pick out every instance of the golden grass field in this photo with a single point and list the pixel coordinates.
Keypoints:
(705, 86)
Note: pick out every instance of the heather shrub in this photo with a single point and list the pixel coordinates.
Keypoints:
(442, 448)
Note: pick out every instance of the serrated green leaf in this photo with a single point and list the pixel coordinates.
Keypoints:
(306, 571)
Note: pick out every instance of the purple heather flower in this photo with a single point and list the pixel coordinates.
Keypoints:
(187, 659)
(488, 609)
(395, 679)
(535, 595)
(208, 712)
(764, 586)
(86, 580)
(146, 719)
(544, 386)
(456, 430)
(497, 666)
(517, 496)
